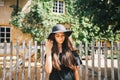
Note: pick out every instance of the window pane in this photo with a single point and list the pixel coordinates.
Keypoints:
(2, 30)
(7, 34)
(8, 40)
(54, 10)
(55, 7)
(2, 40)
(58, 6)
(2, 34)
(60, 3)
(7, 29)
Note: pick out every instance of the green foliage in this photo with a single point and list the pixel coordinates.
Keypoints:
(101, 14)
(41, 18)
(90, 19)
(15, 10)
(98, 20)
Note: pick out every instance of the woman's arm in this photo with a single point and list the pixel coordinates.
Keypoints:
(48, 62)
(76, 73)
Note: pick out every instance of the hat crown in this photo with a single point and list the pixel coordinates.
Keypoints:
(58, 28)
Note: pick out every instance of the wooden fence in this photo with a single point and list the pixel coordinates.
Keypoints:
(26, 61)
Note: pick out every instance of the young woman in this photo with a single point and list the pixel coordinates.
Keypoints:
(61, 61)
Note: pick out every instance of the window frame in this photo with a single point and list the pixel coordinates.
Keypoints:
(58, 9)
(5, 33)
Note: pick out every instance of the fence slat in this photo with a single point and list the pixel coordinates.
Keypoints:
(29, 62)
(35, 62)
(99, 61)
(43, 77)
(17, 62)
(10, 76)
(118, 48)
(80, 50)
(86, 58)
(105, 60)
(112, 62)
(23, 61)
(4, 61)
(93, 52)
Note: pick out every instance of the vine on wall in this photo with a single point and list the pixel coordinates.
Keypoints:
(41, 18)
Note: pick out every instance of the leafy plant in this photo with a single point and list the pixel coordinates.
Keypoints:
(40, 19)
(100, 14)
(90, 20)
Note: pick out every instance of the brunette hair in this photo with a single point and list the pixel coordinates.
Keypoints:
(67, 58)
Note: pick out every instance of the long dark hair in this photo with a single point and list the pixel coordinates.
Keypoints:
(67, 58)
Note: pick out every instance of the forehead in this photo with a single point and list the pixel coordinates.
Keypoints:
(59, 33)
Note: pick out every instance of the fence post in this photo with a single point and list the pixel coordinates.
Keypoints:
(11, 48)
(99, 61)
(118, 48)
(35, 72)
(23, 61)
(29, 60)
(17, 62)
(105, 60)
(112, 61)
(86, 58)
(80, 50)
(93, 52)
(42, 61)
(4, 61)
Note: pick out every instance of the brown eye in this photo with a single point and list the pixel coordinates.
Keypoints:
(56, 35)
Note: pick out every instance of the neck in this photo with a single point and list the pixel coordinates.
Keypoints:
(59, 45)
(60, 48)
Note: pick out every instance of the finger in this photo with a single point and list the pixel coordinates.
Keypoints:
(51, 41)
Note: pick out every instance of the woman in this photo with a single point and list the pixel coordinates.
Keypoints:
(61, 59)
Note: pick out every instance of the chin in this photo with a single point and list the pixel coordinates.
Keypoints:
(60, 42)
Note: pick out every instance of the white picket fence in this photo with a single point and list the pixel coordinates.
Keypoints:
(22, 62)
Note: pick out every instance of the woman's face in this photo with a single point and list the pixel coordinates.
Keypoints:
(60, 37)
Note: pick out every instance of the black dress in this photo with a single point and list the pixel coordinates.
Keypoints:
(65, 73)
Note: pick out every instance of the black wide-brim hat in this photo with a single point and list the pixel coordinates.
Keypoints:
(59, 28)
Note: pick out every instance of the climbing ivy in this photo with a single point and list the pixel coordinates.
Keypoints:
(41, 18)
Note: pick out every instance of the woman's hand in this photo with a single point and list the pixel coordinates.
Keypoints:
(49, 45)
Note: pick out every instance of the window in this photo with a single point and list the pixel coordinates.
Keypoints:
(58, 6)
(1, 2)
(4, 34)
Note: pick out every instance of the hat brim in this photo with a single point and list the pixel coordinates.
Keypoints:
(68, 33)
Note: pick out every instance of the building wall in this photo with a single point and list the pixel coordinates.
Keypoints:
(5, 16)
(5, 12)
